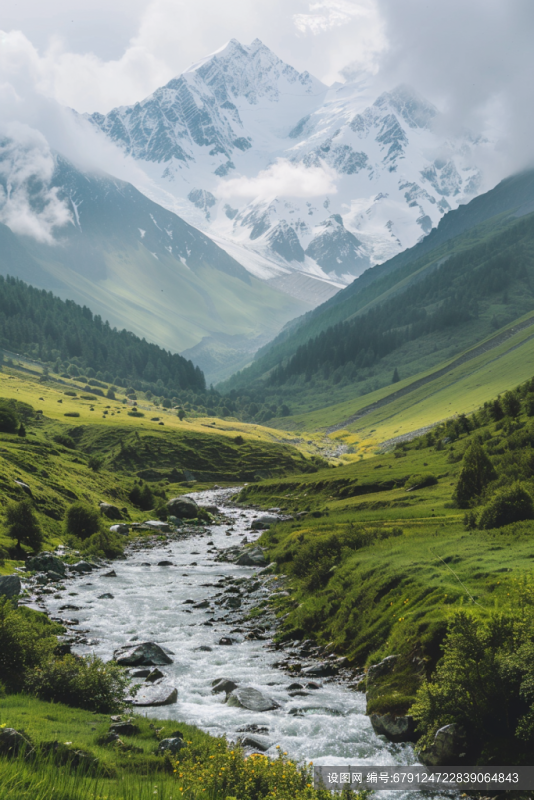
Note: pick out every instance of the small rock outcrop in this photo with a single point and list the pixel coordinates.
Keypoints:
(144, 654)
(120, 528)
(10, 585)
(183, 507)
(45, 562)
(448, 748)
(124, 729)
(251, 699)
(12, 742)
(223, 685)
(395, 729)
(155, 696)
(172, 745)
(252, 557)
(264, 522)
(110, 511)
(259, 743)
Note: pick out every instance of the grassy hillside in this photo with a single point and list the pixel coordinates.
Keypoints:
(425, 308)
(390, 551)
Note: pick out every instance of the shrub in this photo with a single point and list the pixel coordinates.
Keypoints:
(511, 404)
(95, 462)
(88, 397)
(420, 481)
(70, 394)
(135, 413)
(511, 504)
(239, 440)
(82, 520)
(8, 419)
(27, 640)
(110, 394)
(23, 525)
(142, 497)
(65, 440)
(85, 682)
(71, 414)
(103, 544)
(477, 472)
(22, 430)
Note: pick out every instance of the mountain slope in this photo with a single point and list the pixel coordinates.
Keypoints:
(143, 268)
(410, 314)
(235, 137)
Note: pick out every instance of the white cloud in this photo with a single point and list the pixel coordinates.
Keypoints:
(29, 205)
(282, 179)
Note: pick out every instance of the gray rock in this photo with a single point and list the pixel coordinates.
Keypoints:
(10, 585)
(227, 640)
(395, 729)
(384, 667)
(120, 528)
(82, 567)
(321, 670)
(448, 748)
(155, 696)
(251, 699)
(156, 525)
(233, 602)
(211, 509)
(24, 487)
(165, 564)
(252, 557)
(12, 742)
(260, 743)
(124, 729)
(106, 596)
(144, 654)
(263, 522)
(183, 507)
(223, 685)
(110, 511)
(110, 574)
(202, 604)
(44, 562)
(155, 675)
(53, 576)
(172, 745)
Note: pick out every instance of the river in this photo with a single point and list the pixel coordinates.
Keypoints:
(148, 604)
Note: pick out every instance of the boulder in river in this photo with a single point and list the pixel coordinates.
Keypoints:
(158, 695)
(81, 567)
(144, 654)
(165, 564)
(260, 743)
(44, 562)
(156, 525)
(223, 685)
(10, 585)
(183, 507)
(251, 699)
(227, 640)
(110, 511)
(395, 729)
(320, 670)
(252, 557)
(264, 522)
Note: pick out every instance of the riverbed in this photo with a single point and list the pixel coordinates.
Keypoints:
(327, 725)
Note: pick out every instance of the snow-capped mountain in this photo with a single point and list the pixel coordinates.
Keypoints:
(305, 185)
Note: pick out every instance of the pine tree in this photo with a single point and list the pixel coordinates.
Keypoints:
(477, 472)
(396, 377)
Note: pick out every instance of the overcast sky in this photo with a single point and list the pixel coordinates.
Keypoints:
(473, 58)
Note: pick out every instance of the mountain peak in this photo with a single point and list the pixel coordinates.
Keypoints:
(409, 104)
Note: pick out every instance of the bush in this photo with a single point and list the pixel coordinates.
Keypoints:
(142, 497)
(82, 520)
(8, 419)
(110, 394)
(420, 481)
(70, 394)
(511, 504)
(65, 441)
(239, 440)
(135, 414)
(27, 640)
(85, 682)
(477, 472)
(71, 414)
(95, 463)
(103, 544)
(23, 525)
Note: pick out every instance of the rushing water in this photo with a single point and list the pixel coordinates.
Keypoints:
(148, 605)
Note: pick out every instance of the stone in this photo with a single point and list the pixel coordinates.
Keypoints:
(24, 487)
(252, 557)
(211, 509)
(384, 667)
(171, 745)
(120, 528)
(110, 574)
(395, 729)
(82, 567)
(124, 729)
(44, 562)
(260, 743)
(155, 696)
(202, 604)
(263, 522)
(233, 602)
(106, 596)
(165, 564)
(141, 673)
(183, 507)
(321, 670)
(110, 511)
(223, 685)
(156, 525)
(155, 675)
(176, 521)
(227, 640)
(448, 748)
(144, 654)
(53, 576)
(10, 585)
(251, 699)
(12, 742)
